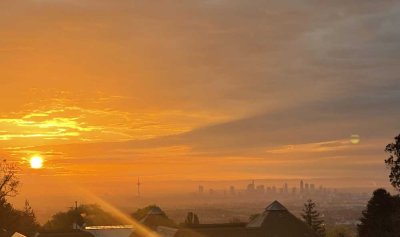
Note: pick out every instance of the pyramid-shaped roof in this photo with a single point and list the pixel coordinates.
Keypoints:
(155, 211)
(155, 217)
(275, 206)
(276, 220)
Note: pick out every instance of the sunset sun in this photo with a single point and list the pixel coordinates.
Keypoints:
(36, 162)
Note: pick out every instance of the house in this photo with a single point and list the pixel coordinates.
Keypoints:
(155, 217)
(72, 233)
(275, 221)
(110, 231)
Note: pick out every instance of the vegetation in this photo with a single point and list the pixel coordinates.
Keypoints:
(192, 219)
(142, 212)
(313, 218)
(81, 216)
(393, 162)
(11, 219)
(9, 181)
(340, 231)
(382, 216)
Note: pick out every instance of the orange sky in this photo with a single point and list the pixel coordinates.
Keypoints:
(106, 91)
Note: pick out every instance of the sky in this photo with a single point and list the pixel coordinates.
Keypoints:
(108, 91)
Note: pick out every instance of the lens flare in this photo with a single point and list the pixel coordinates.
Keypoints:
(355, 139)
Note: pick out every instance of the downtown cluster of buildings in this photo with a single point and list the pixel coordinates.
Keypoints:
(304, 188)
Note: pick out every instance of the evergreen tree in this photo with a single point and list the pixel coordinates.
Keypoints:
(22, 221)
(28, 224)
(192, 219)
(381, 218)
(313, 218)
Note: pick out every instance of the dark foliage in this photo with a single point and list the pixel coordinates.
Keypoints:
(9, 181)
(13, 220)
(142, 212)
(192, 219)
(382, 216)
(393, 162)
(313, 218)
(81, 216)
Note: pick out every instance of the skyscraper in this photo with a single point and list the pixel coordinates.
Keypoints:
(251, 187)
(138, 186)
(306, 187)
(232, 190)
(201, 189)
(286, 188)
(301, 186)
(312, 188)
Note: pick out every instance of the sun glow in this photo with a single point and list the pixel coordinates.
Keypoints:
(36, 162)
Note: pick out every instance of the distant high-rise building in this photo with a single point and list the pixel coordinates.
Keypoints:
(211, 191)
(306, 187)
(251, 187)
(232, 190)
(286, 188)
(312, 188)
(201, 189)
(260, 189)
(301, 186)
(294, 191)
(138, 186)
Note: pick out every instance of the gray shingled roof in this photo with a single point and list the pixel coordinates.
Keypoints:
(276, 220)
(275, 206)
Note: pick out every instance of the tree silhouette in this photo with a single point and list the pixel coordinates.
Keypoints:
(11, 219)
(27, 221)
(381, 218)
(91, 214)
(393, 162)
(142, 212)
(313, 218)
(23, 221)
(192, 219)
(8, 179)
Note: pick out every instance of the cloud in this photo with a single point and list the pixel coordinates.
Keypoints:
(203, 79)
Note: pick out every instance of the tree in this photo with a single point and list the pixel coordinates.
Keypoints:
(142, 212)
(27, 223)
(381, 218)
(9, 181)
(11, 219)
(22, 221)
(340, 231)
(192, 219)
(393, 162)
(81, 216)
(313, 218)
